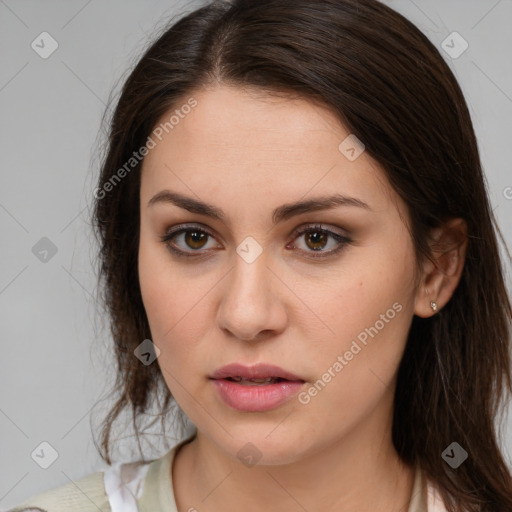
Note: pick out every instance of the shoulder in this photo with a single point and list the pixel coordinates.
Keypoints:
(84, 495)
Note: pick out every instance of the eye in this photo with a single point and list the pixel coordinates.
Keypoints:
(318, 238)
(194, 239)
(191, 237)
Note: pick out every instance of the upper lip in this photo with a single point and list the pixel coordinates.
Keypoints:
(257, 371)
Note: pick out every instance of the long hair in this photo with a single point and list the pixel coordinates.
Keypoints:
(390, 86)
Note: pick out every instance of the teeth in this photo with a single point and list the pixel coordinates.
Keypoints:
(253, 382)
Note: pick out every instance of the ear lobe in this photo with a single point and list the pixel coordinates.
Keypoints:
(441, 275)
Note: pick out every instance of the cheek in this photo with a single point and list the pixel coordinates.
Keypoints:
(355, 371)
(367, 310)
(174, 299)
(163, 294)
(164, 306)
(156, 289)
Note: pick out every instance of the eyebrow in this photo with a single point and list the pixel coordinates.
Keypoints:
(280, 214)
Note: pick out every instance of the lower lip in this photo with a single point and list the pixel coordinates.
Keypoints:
(256, 398)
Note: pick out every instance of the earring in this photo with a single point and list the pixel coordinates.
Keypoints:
(433, 304)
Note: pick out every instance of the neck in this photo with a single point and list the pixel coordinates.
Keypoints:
(357, 472)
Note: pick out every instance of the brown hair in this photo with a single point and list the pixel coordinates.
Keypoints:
(389, 86)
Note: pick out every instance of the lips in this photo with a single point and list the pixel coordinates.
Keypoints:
(257, 373)
(257, 388)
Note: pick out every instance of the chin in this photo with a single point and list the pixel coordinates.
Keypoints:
(258, 448)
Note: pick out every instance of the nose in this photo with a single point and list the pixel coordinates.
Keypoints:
(252, 306)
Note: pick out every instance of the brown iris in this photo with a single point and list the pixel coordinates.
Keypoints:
(317, 238)
(195, 239)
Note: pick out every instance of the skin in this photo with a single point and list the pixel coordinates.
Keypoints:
(248, 153)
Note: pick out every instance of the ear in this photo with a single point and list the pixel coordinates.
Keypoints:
(441, 276)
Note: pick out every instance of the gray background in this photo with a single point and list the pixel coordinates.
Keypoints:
(55, 363)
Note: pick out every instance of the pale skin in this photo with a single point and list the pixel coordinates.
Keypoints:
(247, 154)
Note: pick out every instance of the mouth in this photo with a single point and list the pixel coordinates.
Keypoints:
(256, 388)
(259, 374)
(259, 382)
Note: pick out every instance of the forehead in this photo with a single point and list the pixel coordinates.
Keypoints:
(244, 141)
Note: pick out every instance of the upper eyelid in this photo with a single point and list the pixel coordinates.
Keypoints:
(320, 226)
(182, 228)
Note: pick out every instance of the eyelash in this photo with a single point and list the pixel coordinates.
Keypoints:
(342, 240)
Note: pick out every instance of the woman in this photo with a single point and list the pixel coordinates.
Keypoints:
(297, 244)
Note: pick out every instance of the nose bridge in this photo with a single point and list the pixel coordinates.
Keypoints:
(250, 279)
(249, 303)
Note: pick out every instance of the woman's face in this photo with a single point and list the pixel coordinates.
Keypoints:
(333, 305)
